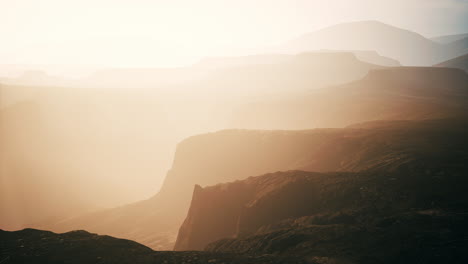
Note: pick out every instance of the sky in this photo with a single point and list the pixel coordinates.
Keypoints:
(165, 33)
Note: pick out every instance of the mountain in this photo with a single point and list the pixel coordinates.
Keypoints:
(459, 63)
(389, 94)
(37, 246)
(412, 190)
(449, 38)
(409, 48)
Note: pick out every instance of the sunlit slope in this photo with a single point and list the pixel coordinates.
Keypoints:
(394, 93)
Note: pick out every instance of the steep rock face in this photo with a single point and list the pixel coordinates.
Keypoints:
(400, 93)
(399, 166)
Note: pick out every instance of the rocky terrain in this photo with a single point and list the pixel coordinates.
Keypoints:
(37, 246)
(376, 148)
(407, 206)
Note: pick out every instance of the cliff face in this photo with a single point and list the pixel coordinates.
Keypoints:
(402, 169)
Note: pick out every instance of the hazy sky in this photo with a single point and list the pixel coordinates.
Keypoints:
(173, 32)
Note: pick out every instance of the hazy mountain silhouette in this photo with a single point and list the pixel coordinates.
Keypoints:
(457, 48)
(372, 57)
(229, 62)
(409, 48)
(301, 72)
(449, 38)
(393, 93)
(409, 190)
(459, 63)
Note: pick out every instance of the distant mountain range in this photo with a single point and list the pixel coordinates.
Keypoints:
(409, 48)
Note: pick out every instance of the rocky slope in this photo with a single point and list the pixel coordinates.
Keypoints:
(408, 216)
(400, 163)
(389, 94)
(36, 246)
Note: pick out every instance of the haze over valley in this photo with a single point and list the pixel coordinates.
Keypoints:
(222, 132)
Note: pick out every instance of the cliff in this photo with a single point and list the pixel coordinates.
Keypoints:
(401, 169)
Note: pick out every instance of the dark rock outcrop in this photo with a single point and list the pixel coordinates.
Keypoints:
(37, 246)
